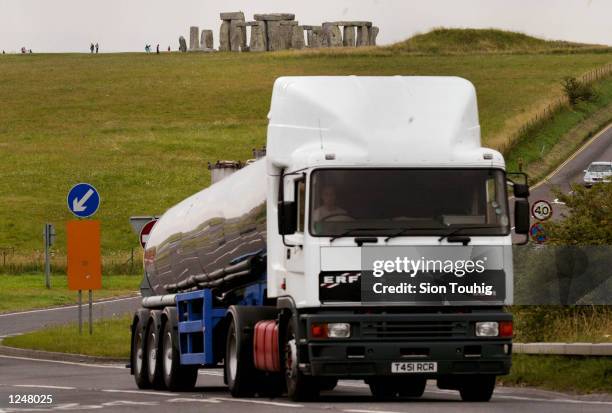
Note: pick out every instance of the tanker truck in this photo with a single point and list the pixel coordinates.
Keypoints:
(372, 242)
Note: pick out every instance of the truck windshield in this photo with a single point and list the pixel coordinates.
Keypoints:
(413, 201)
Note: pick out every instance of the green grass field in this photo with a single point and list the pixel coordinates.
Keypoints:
(141, 128)
(28, 291)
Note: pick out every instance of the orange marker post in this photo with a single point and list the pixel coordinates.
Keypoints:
(84, 261)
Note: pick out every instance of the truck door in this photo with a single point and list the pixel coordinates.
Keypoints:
(294, 251)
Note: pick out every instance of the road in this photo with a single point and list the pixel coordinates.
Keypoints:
(598, 148)
(22, 322)
(78, 386)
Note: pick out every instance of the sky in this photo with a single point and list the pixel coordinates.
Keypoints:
(127, 25)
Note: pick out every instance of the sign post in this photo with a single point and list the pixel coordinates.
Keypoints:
(49, 236)
(83, 245)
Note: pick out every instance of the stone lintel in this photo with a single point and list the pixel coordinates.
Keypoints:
(237, 15)
(274, 16)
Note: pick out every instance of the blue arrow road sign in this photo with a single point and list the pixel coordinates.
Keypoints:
(83, 200)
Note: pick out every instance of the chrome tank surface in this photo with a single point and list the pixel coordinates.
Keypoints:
(206, 231)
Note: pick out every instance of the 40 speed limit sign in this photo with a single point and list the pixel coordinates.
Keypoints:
(541, 210)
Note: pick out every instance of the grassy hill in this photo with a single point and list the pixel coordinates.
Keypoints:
(141, 128)
(488, 41)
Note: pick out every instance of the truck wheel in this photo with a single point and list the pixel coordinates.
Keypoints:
(327, 383)
(176, 377)
(412, 387)
(383, 388)
(239, 370)
(154, 360)
(477, 388)
(299, 386)
(139, 359)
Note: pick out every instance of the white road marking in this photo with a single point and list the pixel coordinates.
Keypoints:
(44, 386)
(151, 393)
(367, 411)
(192, 400)
(42, 310)
(71, 363)
(210, 373)
(129, 403)
(279, 404)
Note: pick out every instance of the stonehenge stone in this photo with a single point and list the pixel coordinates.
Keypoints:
(363, 36)
(274, 17)
(224, 36)
(348, 40)
(273, 34)
(286, 34)
(258, 36)
(317, 38)
(297, 38)
(194, 41)
(353, 23)
(238, 15)
(237, 39)
(206, 40)
(373, 34)
(332, 34)
(182, 44)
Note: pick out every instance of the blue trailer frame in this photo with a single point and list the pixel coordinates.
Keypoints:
(197, 319)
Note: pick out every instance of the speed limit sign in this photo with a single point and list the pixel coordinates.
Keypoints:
(541, 210)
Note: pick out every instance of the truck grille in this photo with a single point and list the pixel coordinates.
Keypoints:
(413, 329)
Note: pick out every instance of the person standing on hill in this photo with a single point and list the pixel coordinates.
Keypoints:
(91, 47)
(169, 48)
(157, 48)
(97, 47)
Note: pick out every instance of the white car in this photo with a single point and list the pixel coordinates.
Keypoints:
(597, 172)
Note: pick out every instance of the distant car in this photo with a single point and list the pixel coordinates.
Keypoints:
(597, 172)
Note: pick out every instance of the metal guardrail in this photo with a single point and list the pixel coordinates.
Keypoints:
(564, 349)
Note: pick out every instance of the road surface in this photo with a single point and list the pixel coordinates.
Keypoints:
(22, 322)
(78, 386)
(572, 170)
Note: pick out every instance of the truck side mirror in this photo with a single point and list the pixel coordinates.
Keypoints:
(521, 190)
(287, 217)
(521, 216)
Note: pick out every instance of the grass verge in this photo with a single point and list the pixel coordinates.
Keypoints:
(26, 292)
(110, 338)
(561, 373)
(547, 146)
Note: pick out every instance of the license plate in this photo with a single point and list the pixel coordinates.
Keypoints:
(414, 367)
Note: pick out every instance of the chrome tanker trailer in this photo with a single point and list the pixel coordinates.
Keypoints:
(372, 242)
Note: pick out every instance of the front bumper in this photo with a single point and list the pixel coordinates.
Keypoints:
(379, 340)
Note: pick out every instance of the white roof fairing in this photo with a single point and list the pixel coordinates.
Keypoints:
(395, 121)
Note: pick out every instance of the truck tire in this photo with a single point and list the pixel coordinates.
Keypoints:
(153, 354)
(176, 377)
(139, 359)
(239, 369)
(299, 386)
(382, 388)
(327, 383)
(412, 386)
(477, 388)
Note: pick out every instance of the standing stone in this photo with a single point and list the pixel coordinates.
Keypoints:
(297, 38)
(363, 36)
(236, 37)
(206, 40)
(194, 41)
(224, 36)
(348, 39)
(258, 36)
(286, 34)
(182, 44)
(332, 34)
(373, 34)
(317, 37)
(273, 35)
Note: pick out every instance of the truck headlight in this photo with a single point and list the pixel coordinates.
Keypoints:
(330, 330)
(487, 329)
(338, 330)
